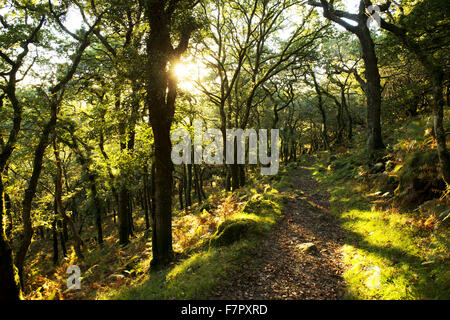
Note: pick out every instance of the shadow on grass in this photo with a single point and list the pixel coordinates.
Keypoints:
(193, 278)
(374, 238)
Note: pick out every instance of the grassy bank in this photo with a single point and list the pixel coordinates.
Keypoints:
(392, 251)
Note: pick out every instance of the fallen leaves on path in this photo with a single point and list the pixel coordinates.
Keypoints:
(280, 271)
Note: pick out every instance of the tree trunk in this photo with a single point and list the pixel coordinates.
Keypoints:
(197, 185)
(65, 230)
(9, 278)
(439, 129)
(153, 196)
(124, 220)
(323, 114)
(373, 93)
(130, 213)
(62, 241)
(161, 93)
(189, 186)
(98, 209)
(59, 205)
(227, 178)
(350, 122)
(201, 184)
(8, 215)
(55, 243)
(145, 200)
(235, 176)
(180, 193)
(162, 249)
(242, 178)
(31, 191)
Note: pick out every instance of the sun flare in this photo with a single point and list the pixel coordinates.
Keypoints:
(187, 73)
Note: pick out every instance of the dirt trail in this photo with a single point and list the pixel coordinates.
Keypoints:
(281, 270)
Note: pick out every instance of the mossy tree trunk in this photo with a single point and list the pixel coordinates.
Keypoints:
(373, 93)
(30, 192)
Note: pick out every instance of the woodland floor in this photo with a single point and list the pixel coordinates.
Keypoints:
(279, 270)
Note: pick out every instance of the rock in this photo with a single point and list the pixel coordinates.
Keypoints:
(229, 232)
(308, 247)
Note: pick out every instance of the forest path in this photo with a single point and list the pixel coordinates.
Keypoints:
(280, 270)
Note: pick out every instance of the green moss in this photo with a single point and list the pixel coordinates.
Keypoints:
(261, 206)
(257, 217)
(231, 231)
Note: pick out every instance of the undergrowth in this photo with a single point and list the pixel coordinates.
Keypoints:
(203, 261)
(397, 246)
(213, 254)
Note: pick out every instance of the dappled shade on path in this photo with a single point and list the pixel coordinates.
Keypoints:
(280, 267)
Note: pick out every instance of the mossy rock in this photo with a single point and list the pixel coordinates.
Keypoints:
(419, 179)
(231, 231)
(420, 165)
(260, 206)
